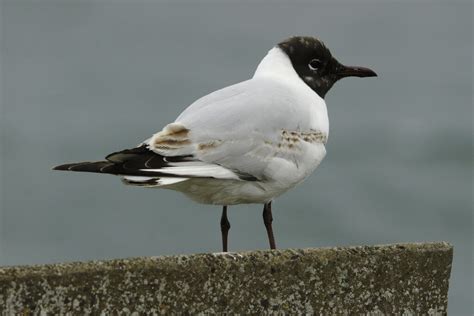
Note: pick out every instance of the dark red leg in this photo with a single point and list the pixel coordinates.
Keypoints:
(267, 220)
(225, 226)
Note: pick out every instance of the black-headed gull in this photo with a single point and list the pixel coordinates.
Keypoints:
(246, 143)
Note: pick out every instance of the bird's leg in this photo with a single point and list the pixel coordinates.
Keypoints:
(225, 226)
(267, 220)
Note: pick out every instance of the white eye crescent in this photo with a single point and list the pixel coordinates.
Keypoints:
(315, 64)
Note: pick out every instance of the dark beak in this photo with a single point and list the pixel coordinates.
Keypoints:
(354, 71)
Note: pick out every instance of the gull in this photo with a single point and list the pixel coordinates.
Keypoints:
(246, 143)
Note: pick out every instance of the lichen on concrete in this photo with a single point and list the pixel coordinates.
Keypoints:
(408, 279)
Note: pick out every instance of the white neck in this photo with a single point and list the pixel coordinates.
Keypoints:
(276, 63)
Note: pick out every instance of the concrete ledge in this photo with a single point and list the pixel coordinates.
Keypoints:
(391, 279)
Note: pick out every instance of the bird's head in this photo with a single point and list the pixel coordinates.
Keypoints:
(315, 64)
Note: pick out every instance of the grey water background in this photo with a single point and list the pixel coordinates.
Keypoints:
(81, 79)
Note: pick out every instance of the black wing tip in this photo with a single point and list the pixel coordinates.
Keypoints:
(80, 166)
(64, 167)
(119, 156)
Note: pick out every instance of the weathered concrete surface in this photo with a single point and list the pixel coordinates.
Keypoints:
(375, 280)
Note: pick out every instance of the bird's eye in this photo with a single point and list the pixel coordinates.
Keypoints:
(315, 64)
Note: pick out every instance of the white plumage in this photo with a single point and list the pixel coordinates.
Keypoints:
(272, 127)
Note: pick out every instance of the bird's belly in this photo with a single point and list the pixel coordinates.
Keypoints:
(228, 192)
(280, 176)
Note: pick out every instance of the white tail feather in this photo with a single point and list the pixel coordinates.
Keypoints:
(197, 169)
